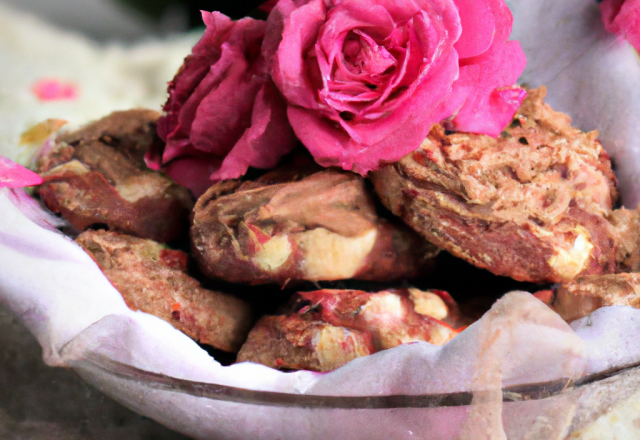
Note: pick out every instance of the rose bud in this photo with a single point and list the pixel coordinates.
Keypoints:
(153, 279)
(328, 328)
(96, 176)
(584, 295)
(532, 205)
(223, 114)
(322, 227)
(364, 80)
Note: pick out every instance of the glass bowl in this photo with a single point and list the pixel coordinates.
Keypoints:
(547, 410)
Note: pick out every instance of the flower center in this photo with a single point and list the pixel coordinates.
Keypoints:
(363, 56)
(369, 73)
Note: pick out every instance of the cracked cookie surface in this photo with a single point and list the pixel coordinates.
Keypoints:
(531, 204)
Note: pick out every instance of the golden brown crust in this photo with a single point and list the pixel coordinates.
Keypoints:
(626, 224)
(295, 343)
(97, 175)
(531, 204)
(153, 279)
(392, 317)
(327, 328)
(131, 132)
(322, 227)
(584, 295)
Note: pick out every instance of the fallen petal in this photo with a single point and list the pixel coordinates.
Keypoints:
(13, 175)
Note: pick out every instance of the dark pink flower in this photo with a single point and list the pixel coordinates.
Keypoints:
(223, 114)
(13, 175)
(366, 79)
(622, 17)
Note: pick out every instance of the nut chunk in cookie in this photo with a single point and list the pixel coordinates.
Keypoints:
(322, 227)
(153, 279)
(531, 204)
(296, 343)
(97, 176)
(584, 295)
(626, 224)
(328, 328)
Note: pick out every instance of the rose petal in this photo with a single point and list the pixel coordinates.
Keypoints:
(503, 19)
(193, 172)
(298, 37)
(194, 69)
(488, 110)
(402, 11)
(187, 112)
(52, 89)
(417, 112)
(371, 19)
(496, 68)
(222, 87)
(178, 149)
(222, 116)
(622, 17)
(153, 156)
(275, 27)
(13, 175)
(265, 142)
(268, 6)
(478, 27)
(491, 113)
(373, 60)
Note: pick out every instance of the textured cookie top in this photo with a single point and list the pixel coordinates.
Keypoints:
(323, 226)
(538, 167)
(97, 175)
(532, 204)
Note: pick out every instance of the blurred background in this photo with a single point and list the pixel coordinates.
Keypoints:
(129, 20)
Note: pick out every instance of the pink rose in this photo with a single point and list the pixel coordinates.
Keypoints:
(365, 79)
(223, 114)
(622, 17)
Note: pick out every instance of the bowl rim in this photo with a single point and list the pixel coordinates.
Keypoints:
(226, 393)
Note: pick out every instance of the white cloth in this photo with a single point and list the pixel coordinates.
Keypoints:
(76, 315)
